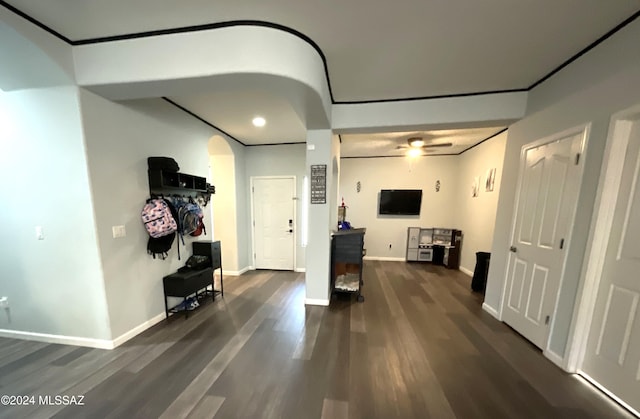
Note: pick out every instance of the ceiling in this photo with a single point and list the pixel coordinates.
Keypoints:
(396, 143)
(374, 51)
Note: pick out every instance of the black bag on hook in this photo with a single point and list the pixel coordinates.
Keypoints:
(160, 246)
(163, 163)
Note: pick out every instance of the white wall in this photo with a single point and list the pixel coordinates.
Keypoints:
(600, 83)
(322, 149)
(223, 204)
(243, 205)
(32, 57)
(230, 203)
(223, 208)
(374, 174)
(476, 216)
(279, 160)
(54, 285)
(119, 138)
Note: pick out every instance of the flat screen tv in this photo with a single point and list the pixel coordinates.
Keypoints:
(400, 202)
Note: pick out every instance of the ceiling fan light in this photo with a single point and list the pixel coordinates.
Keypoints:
(416, 142)
(414, 152)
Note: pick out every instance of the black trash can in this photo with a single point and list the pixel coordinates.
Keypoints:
(479, 281)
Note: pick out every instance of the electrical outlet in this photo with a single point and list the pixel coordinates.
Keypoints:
(4, 302)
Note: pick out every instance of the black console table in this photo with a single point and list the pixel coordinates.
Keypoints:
(184, 284)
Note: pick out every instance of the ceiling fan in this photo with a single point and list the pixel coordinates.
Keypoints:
(419, 143)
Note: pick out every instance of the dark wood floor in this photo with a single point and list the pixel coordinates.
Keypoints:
(420, 346)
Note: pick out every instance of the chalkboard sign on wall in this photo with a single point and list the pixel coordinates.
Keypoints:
(318, 183)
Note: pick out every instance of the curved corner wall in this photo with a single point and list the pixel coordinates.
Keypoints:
(207, 60)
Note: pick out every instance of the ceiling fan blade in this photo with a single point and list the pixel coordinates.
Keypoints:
(437, 145)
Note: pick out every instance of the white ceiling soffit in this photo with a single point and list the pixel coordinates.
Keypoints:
(386, 50)
(386, 144)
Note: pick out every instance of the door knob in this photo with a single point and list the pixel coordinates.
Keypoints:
(513, 249)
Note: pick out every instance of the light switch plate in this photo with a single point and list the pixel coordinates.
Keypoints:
(118, 232)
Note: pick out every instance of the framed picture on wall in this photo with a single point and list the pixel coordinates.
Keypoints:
(475, 187)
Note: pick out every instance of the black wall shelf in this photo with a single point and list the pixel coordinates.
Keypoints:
(167, 182)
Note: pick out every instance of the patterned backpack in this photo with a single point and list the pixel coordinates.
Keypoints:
(190, 216)
(157, 218)
(200, 228)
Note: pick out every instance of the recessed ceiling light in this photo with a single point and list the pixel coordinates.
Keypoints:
(259, 121)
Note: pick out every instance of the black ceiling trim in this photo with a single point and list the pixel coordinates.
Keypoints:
(196, 28)
(390, 157)
(486, 139)
(193, 28)
(270, 144)
(587, 49)
(409, 99)
(36, 22)
(307, 39)
(435, 155)
(203, 120)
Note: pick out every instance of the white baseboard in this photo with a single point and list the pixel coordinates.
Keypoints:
(486, 307)
(300, 270)
(78, 341)
(384, 259)
(315, 302)
(582, 375)
(466, 271)
(138, 329)
(238, 273)
(555, 358)
(64, 340)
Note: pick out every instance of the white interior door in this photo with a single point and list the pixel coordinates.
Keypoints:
(612, 354)
(550, 175)
(274, 223)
